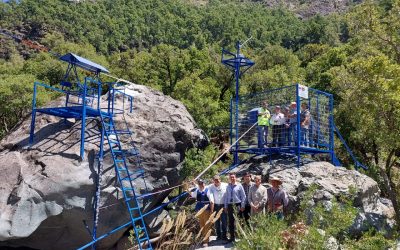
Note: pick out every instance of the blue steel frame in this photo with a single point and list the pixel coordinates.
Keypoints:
(298, 149)
(83, 109)
(80, 110)
(235, 62)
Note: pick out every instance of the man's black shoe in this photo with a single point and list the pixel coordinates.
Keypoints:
(231, 240)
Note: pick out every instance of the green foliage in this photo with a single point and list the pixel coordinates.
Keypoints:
(370, 240)
(264, 233)
(196, 160)
(275, 66)
(116, 25)
(16, 100)
(323, 222)
(334, 218)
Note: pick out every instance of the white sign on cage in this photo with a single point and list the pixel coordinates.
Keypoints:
(303, 91)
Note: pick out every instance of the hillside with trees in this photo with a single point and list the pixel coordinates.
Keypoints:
(175, 47)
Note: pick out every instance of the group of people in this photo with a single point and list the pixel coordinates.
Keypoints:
(247, 198)
(284, 125)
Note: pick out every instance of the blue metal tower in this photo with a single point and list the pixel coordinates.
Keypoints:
(82, 101)
(291, 136)
(239, 64)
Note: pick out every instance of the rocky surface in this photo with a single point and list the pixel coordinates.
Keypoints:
(309, 8)
(47, 191)
(331, 182)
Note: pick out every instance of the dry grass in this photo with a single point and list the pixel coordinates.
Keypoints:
(183, 232)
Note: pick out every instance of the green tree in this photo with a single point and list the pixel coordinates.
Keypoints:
(369, 90)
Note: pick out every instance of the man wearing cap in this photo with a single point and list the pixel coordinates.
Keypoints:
(218, 191)
(278, 125)
(203, 198)
(263, 124)
(277, 199)
(257, 196)
(234, 198)
(247, 184)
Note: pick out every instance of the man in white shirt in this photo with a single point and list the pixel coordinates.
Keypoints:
(278, 125)
(218, 191)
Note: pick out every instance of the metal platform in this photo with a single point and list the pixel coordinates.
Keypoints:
(71, 112)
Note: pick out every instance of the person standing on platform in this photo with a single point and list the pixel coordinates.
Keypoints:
(235, 198)
(263, 125)
(305, 118)
(293, 124)
(286, 131)
(278, 126)
(277, 199)
(247, 184)
(257, 196)
(203, 198)
(218, 191)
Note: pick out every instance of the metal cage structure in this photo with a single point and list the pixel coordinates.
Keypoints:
(286, 132)
(298, 120)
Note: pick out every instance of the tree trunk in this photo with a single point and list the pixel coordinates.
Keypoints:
(384, 169)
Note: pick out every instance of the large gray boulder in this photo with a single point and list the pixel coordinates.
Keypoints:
(331, 182)
(47, 192)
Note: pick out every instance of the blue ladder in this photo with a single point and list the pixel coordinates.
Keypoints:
(126, 178)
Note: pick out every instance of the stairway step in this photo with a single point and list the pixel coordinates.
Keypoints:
(133, 176)
(134, 209)
(118, 152)
(123, 132)
(122, 169)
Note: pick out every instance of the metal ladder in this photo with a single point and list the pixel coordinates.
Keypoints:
(126, 177)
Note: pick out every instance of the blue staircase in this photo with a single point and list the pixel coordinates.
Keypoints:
(126, 177)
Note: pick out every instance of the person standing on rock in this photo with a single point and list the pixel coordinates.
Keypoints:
(235, 198)
(218, 191)
(277, 199)
(203, 198)
(247, 184)
(257, 196)
(263, 125)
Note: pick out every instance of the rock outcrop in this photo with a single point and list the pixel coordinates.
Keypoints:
(47, 192)
(309, 8)
(331, 182)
